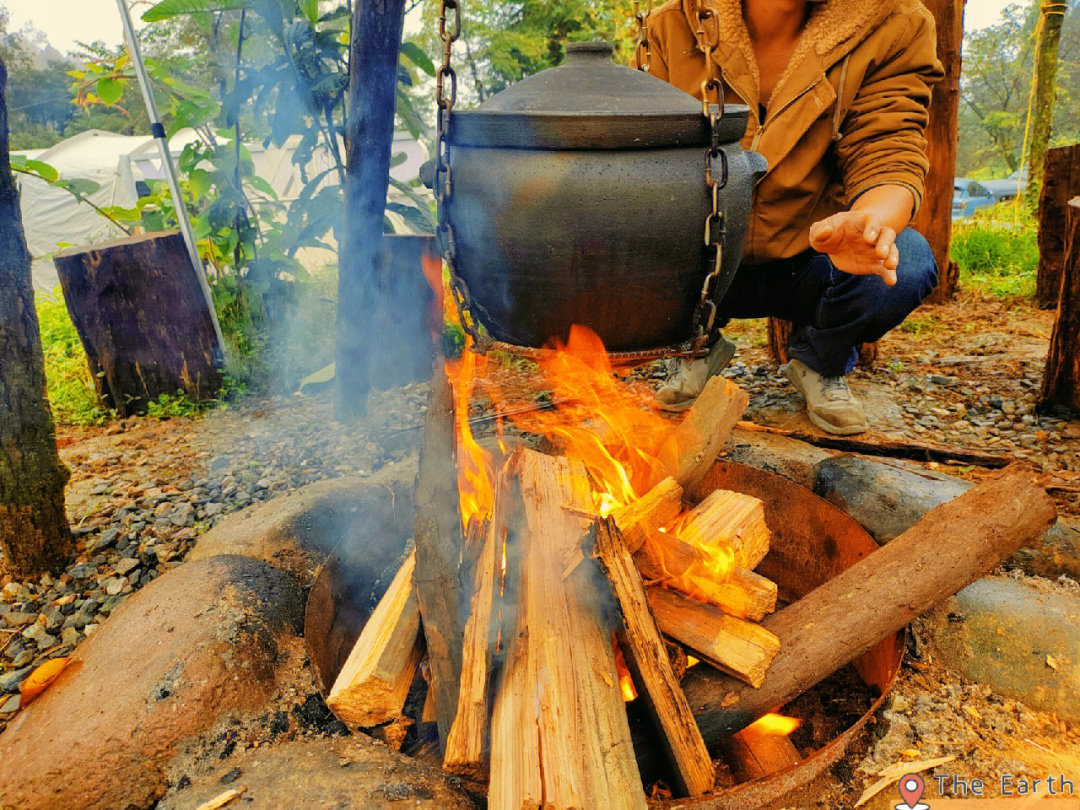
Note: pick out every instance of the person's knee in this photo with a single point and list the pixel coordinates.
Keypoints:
(917, 274)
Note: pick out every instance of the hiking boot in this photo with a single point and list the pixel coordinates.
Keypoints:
(688, 377)
(829, 402)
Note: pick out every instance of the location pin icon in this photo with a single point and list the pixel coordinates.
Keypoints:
(911, 789)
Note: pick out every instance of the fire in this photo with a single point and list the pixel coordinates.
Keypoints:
(626, 681)
(475, 465)
(775, 724)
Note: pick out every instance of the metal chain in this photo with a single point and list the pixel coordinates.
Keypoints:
(445, 98)
(644, 50)
(712, 107)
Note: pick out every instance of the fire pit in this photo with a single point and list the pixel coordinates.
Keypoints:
(812, 541)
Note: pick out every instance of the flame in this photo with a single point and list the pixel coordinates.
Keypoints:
(626, 682)
(775, 724)
(475, 465)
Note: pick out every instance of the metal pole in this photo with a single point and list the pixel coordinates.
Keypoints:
(158, 131)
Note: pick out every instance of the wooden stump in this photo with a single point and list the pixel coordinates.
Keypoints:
(1061, 181)
(142, 319)
(780, 331)
(1061, 380)
(934, 220)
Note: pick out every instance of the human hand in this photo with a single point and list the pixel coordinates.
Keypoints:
(858, 243)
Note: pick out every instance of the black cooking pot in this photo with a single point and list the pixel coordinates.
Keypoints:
(579, 197)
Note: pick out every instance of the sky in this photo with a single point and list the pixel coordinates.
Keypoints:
(66, 22)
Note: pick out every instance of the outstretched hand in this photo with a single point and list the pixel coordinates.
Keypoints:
(858, 243)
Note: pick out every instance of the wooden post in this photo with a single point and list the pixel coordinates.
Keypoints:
(934, 220)
(34, 532)
(1061, 380)
(1061, 182)
(140, 312)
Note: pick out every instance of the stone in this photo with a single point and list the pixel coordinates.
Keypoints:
(69, 635)
(339, 772)
(297, 531)
(82, 571)
(10, 705)
(782, 455)
(1019, 637)
(10, 680)
(208, 634)
(103, 540)
(16, 619)
(37, 634)
(127, 565)
(183, 515)
(889, 496)
(10, 591)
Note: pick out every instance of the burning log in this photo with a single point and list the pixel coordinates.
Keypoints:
(560, 738)
(760, 750)
(732, 519)
(735, 646)
(950, 547)
(647, 659)
(372, 686)
(647, 515)
(694, 445)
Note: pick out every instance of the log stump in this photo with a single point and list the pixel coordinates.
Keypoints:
(141, 315)
(1061, 181)
(1061, 380)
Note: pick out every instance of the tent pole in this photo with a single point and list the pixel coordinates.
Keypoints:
(162, 141)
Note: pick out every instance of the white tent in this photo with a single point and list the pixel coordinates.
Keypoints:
(54, 219)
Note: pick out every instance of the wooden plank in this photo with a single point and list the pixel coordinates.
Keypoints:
(647, 659)
(648, 514)
(737, 647)
(560, 738)
(372, 686)
(733, 520)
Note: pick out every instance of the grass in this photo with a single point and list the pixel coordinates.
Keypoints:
(997, 252)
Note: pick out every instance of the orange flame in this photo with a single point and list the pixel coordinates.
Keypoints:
(475, 465)
(775, 724)
(626, 681)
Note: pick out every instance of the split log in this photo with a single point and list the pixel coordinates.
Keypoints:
(953, 545)
(755, 754)
(874, 445)
(1061, 380)
(1061, 182)
(648, 514)
(372, 686)
(731, 519)
(737, 647)
(141, 315)
(437, 533)
(647, 659)
(694, 445)
(560, 738)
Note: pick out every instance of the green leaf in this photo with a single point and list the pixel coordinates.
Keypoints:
(43, 170)
(310, 9)
(415, 54)
(110, 91)
(174, 8)
(80, 186)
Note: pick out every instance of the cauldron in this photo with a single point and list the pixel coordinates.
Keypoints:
(579, 197)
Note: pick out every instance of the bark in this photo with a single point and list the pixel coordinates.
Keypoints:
(140, 312)
(373, 64)
(1061, 182)
(1061, 380)
(1051, 17)
(34, 534)
(934, 220)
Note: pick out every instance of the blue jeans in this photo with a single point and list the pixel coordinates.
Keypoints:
(833, 311)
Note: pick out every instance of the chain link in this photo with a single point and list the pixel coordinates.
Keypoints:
(644, 49)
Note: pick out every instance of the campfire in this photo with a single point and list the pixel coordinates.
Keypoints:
(559, 585)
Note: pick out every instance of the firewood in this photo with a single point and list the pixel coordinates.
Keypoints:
(655, 509)
(950, 547)
(694, 445)
(730, 519)
(372, 686)
(560, 737)
(735, 646)
(647, 659)
(754, 754)
(427, 714)
(467, 743)
(745, 595)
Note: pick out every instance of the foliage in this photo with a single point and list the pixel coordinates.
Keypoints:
(71, 388)
(998, 253)
(995, 85)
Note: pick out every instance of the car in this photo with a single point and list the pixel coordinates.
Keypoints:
(1008, 188)
(969, 196)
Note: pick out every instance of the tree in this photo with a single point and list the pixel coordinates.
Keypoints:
(1048, 38)
(34, 533)
(373, 76)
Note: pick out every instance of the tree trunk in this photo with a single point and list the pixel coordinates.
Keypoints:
(1061, 381)
(1061, 181)
(34, 534)
(1051, 17)
(373, 65)
(934, 220)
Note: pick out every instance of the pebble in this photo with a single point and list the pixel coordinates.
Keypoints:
(11, 705)
(127, 565)
(9, 681)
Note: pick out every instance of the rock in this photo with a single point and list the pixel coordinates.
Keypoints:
(103, 540)
(296, 532)
(791, 458)
(1020, 638)
(82, 571)
(10, 591)
(69, 635)
(341, 772)
(127, 565)
(10, 705)
(173, 660)
(10, 680)
(887, 497)
(183, 515)
(37, 634)
(16, 619)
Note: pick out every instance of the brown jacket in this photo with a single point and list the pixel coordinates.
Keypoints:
(848, 114)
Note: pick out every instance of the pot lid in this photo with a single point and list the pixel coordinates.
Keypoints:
(589, 102)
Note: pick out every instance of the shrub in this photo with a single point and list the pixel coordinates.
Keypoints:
(997, 253)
